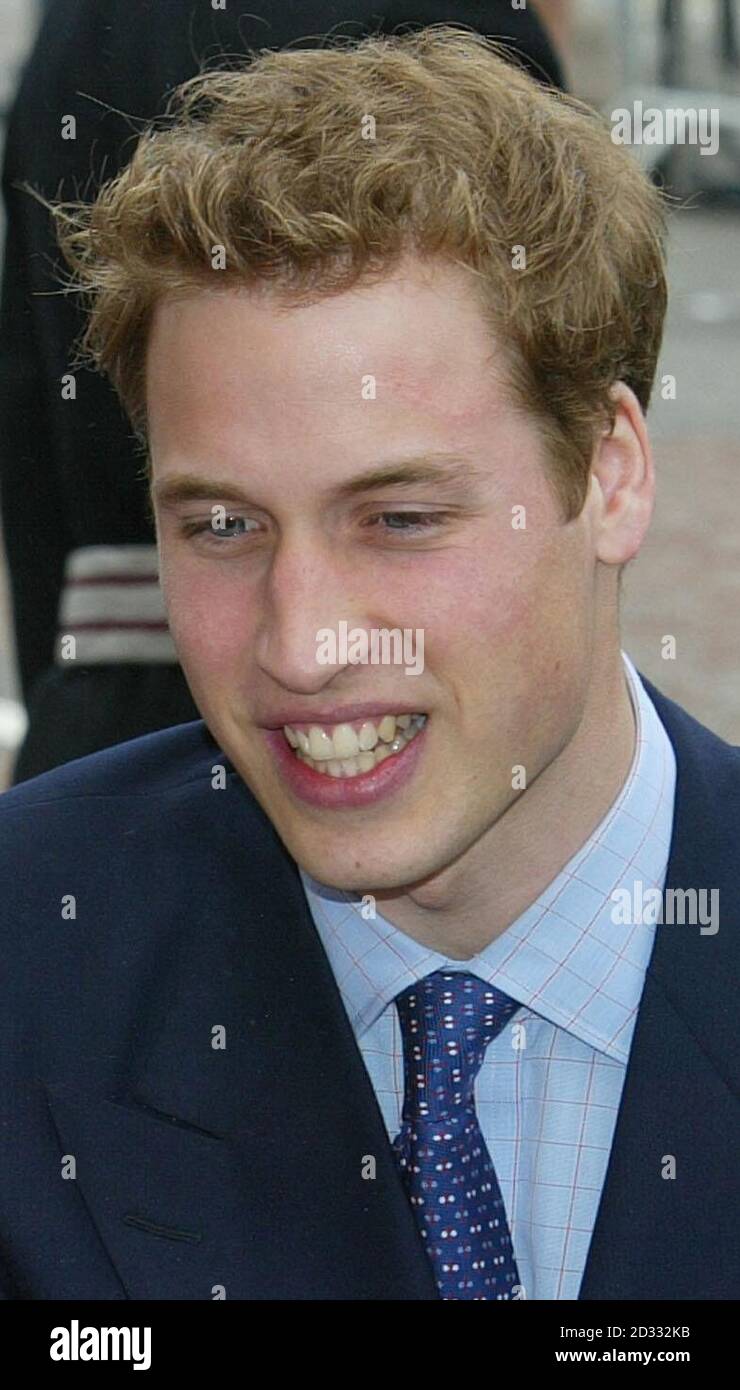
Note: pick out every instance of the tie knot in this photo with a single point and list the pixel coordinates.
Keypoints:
(447, 1021)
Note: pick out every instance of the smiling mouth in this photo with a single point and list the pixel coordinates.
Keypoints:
(347, 750)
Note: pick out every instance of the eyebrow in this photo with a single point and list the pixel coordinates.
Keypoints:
(446, 470)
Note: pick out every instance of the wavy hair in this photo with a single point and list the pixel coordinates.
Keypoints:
(314, 169)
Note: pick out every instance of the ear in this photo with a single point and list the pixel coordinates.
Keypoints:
(622, 482)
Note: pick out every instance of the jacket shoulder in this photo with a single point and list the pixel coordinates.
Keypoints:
(686, 730)
(135, 832)
(147, 766)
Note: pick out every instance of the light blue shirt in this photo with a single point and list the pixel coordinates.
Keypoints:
(547, 1097)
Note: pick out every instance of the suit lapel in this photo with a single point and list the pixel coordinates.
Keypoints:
(657, 1236)
(243, 1166)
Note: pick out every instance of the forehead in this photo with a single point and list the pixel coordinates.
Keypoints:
(416, 339)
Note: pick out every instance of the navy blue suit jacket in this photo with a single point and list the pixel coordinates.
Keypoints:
(198, 1167)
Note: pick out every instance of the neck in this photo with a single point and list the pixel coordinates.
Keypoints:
(462, 909)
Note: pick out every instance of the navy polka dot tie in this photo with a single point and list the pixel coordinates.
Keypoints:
(447, 1021)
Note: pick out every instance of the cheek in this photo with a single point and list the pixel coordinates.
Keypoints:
(513, 624)
(487, 603)
(543, 640)
(209, 621)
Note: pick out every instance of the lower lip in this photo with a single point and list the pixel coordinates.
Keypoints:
(364, 789)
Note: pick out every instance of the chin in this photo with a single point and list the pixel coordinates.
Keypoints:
(369, 875)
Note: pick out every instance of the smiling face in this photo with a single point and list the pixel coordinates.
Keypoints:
(270, 408)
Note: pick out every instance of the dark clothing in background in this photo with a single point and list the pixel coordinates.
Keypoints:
(69, 472)
(82, 708)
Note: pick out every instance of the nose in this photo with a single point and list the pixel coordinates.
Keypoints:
(307, 590)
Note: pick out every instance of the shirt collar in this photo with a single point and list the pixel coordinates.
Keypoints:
(564, 957)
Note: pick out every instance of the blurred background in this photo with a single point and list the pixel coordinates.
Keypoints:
(686, 581)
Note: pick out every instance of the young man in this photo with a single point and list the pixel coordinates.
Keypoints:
(334, 994)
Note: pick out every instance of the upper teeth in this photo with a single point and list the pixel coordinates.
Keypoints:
(344, 741)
